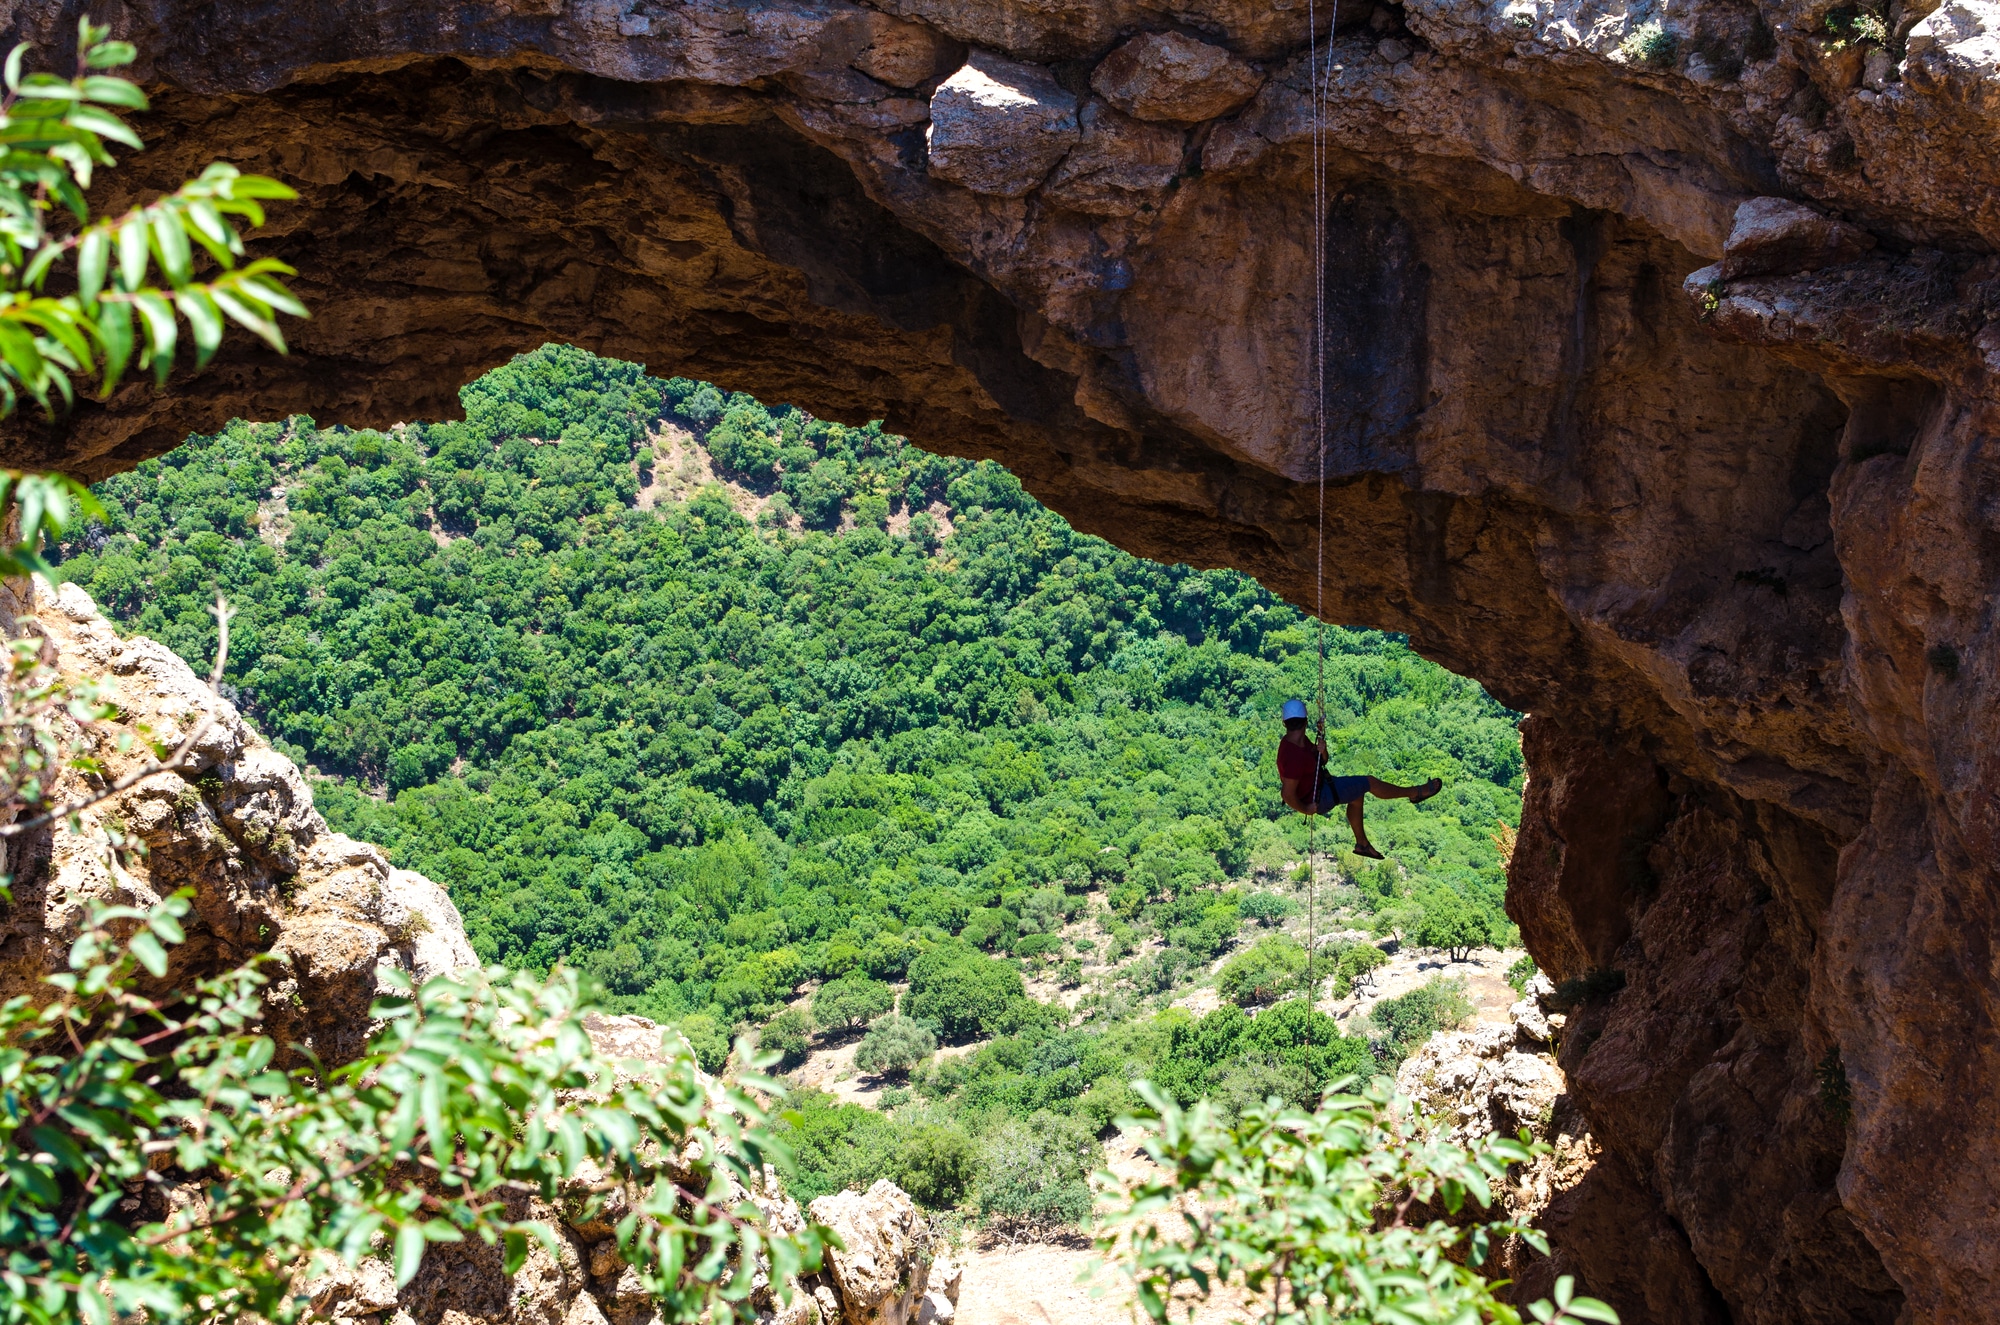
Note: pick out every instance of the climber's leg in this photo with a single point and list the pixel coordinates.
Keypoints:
(1362, 846)
(1416, 795)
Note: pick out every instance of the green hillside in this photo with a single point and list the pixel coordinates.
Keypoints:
(863, 704)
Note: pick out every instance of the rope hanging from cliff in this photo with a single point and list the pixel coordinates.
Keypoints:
(1317, 84)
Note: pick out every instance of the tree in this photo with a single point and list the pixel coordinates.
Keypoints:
(1036, 1170)
(894, 1045)
(936, 1163)
(788, 1035)
(1355, 968)
(1267, 909)
(1273, 967)
(1408, 1020)
(851, 1001)
(449, 1109)
(1321, 1203)
(962, 991)
(55, 132)
(705, 1039)
(1449, 922)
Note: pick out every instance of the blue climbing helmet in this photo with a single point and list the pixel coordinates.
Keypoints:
(1294, 708)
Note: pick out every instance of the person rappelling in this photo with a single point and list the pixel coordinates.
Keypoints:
(1308, 787)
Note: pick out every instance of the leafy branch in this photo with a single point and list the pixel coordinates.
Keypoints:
(1312, 1214)
(53, 138)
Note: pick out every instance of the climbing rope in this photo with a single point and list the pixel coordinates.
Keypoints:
(1319, 167)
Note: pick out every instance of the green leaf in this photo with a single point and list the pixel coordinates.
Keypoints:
(114, 333)
(170, 246)
(161, 332)
(409, 1252)
(111, 54)
(204, 321)
(104, 124)
(514, 1253)
(93, 260)
(132, 252)
(110, 91)
(150, 954)
(1589, 1308)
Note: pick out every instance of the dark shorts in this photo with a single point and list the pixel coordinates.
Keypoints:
(1339, 791)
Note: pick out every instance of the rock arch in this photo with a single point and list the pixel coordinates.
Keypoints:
(1712, 493)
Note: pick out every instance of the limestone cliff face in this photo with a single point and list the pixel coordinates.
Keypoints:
(1710, 489)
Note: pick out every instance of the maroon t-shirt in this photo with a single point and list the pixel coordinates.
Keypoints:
(1298, 763)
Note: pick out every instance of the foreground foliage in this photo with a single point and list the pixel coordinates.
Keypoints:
(1312, 1213)
(475, 1090)
(132, 279)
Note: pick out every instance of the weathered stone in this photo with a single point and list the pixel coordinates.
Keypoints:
(237, 826)
(882, 1269)
(1727, 549)
(1120, 167)
(1775, 236)
(904, 54)
(1168, 76)
(999, 126)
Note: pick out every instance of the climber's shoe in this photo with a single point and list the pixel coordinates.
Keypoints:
(1431, 788)
(1368, 851)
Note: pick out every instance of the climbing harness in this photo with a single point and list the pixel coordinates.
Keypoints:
(1317, 83)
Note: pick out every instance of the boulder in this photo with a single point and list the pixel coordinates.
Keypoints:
(999, 126)
(1121, 165)
(1774, 236)
(882, 1268)
(1171, 77)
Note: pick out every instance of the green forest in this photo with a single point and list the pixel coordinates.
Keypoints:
(860, 715)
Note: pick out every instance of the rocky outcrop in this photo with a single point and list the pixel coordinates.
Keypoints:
(1706, 487)
(237, 826)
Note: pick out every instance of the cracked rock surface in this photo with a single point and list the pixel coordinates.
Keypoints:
(1658, 395)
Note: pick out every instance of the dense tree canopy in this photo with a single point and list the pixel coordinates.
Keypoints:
(709, 757)
(862, 715)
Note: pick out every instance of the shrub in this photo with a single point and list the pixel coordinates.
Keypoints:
(1037, 945)
(936, 1163)
(850, 1001)
(871, 511)
(893, 1046)
(1251, 1081)
(1522, 971)
(1355, 968)
(1263, 973)
(1300, 1199)
(962, 992)
(1267, 909)
(834, 1146)
(1407, 1021)
(788, 1035)
(1651, 45)
(1035, 1171)
(744, 444)
(705, 1038)
(705, 405)
(1593, 986)
(107, 1088)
